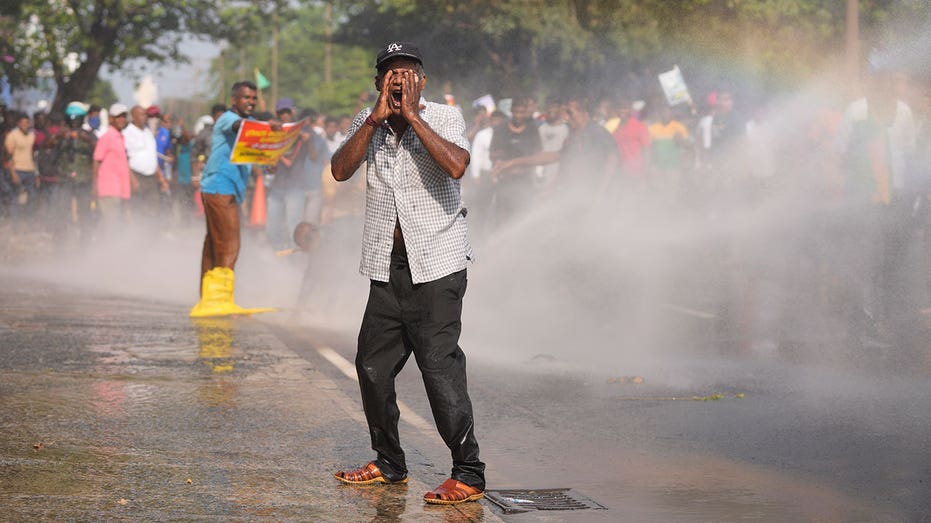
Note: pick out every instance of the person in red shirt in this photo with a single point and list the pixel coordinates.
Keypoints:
(633, 140)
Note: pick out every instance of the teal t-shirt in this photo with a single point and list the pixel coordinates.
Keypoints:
(221, 176)
(184, 163)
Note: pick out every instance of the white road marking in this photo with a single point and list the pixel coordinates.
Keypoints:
(690, 312)
(349, 370)
(339, 362)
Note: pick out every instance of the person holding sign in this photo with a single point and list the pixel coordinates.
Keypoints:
(414, 252)
(223, 187)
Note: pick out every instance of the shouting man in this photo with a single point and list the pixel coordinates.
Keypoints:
(414, 251)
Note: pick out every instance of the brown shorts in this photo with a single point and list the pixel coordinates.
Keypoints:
(221, 245)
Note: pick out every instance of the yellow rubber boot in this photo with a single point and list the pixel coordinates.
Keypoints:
(217, 296)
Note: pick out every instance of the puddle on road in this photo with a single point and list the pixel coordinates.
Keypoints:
(149, 429)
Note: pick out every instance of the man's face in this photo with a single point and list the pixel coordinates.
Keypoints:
(286, 116)
(119, 121)
(331, 128)
(521, 113)
(554, 112)
(138, 116)
(623, 110)
(244, 100)
(576, 115)
(725, 102)
(23, 124)
(398, 66)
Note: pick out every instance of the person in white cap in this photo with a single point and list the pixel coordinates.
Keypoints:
(110, 184)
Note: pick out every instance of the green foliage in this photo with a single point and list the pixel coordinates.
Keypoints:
(473, 47)
(99, 32)
(301, 57)
(101, 93)
(505, 47)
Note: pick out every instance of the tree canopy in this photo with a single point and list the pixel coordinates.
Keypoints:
(502, 47)
(505, 47)
(301, 58)
(75, 38)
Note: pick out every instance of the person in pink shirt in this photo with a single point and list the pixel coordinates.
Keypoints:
(110, 186)
(633, 139)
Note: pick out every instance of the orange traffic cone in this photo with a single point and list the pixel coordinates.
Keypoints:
(259, 212)
(198, 204)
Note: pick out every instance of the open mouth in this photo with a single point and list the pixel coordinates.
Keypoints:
(396, 98)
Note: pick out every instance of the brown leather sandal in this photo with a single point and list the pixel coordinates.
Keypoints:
(452, 492)
(365, 476)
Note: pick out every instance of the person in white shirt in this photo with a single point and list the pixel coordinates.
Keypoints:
(331, 134)
(876, 139)
(146, 176)
(553, 133)
(479, 188)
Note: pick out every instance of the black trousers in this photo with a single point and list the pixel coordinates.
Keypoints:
(424, 319)
(145, 200)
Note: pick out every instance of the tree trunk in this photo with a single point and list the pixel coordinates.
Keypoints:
(274, 64)
(76, 86)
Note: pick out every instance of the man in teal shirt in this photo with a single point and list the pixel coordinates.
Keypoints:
(222, 188)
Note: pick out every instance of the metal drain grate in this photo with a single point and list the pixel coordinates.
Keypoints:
(517, 501)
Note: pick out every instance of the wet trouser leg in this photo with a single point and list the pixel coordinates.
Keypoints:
(112, 213)
(401, 318)
(27, 184)
(145, 200)
(221, 244)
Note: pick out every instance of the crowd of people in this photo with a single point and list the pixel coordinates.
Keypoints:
(82, 173)
(79, 174)
(846, 185)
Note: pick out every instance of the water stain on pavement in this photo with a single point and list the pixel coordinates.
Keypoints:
(116, 413)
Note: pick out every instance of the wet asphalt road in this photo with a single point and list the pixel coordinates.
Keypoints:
(116, 408)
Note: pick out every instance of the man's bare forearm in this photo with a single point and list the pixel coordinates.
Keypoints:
(349, 157)
(450, 157)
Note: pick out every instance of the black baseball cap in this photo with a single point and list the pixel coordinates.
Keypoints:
(395, 49)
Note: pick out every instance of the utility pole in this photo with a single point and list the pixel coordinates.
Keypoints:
(222, 66)
(853, 43)
(275, 59)
(328, 45)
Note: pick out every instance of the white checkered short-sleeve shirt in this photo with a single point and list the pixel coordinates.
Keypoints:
(404, 182)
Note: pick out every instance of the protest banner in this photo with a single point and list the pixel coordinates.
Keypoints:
(674, 87)
(258, 143)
